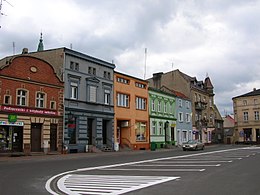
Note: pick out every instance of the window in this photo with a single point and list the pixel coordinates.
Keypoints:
(122, 100)
(180, 116)
(21, 97)
(153, 128)
(184, 136)
(122, 80)
(107, 75)
(170, 108)
(244, 102)
(257, 115)
(72, 129)
(7, 99)
(52, 105)
(74, 90)
(92, 93)
(107, 97)
(159, 106)
(245, 116)
(74, 66)
(140, 131)
(210, 103)
(165, 107)
(40, 100)
(160, 128)
(187, 104)
(92, 70)
(180, 103)
(140, 103)
(255, 101)
(153, 105)
(187, 117)
(140, 85)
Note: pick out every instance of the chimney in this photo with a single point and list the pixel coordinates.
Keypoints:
(25, 51)
(157, 79)
(254, 89)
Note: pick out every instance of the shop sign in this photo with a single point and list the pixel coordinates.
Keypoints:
(12, 118)
(11, 123)
(28, 110)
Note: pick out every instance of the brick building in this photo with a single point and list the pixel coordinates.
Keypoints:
(31, 105)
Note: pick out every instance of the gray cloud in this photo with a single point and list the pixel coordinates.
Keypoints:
(219, 38)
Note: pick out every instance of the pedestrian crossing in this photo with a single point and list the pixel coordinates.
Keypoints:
(76, 184)
(119, 179)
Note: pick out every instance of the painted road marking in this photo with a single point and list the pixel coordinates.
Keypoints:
(155, 170)
(179, 165)
(107, 184)
(197, 161)
(49, 183)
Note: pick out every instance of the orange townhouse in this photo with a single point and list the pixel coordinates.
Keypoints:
(131, 127)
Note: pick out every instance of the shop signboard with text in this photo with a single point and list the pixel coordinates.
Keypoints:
(26, 110)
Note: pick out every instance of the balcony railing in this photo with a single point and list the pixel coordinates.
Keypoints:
(200, 105)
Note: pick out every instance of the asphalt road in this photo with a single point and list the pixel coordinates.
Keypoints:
(216, 170)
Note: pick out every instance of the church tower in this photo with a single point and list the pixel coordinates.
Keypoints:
(40, 45)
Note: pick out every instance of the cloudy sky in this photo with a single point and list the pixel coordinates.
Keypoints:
(218, 38)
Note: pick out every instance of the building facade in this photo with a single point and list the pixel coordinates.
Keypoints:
(131, 112)
(228, 126)
(31, 106)
(200, 93)
(246, 114)
(162, 118)
(89, 105)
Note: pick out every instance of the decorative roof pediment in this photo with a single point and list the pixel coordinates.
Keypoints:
(93, 79)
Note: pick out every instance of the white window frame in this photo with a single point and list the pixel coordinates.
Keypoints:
(180, 116)
(40, 100)
(180, 103)
(107, 98)
(257, 115)
(245, 116)
(21, 98)
(123, 100)
(140, 103)
(74, 90)
(153, 105)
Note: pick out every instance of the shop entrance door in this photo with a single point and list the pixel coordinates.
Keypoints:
(36, 129)
(53, 138)
(17, 139)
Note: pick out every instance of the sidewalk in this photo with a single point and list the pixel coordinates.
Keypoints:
(58, 156)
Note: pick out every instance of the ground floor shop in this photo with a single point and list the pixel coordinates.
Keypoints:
(87, 131)
(28, 134)
(249, 135)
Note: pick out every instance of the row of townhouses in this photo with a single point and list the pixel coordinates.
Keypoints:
(57, 99)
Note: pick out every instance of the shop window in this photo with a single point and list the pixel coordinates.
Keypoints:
(140, 131)
(72, 129)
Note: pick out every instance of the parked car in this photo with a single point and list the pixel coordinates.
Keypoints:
(193, 145)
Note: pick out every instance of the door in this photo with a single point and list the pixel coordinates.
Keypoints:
(104, 131)
(53, 137)
(17, 139)
(36, 129)
(90, 133)
(257, 136)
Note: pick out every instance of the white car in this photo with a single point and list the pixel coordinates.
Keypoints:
(193, 145)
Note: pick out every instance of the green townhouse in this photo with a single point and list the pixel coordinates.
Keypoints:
(162, 118)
